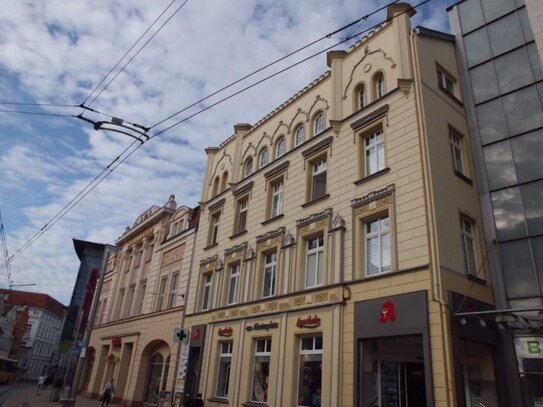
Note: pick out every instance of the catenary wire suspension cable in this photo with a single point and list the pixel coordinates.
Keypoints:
(296, 51)
(137, 53)
(3, 102)
(36, 113)
(127, 52)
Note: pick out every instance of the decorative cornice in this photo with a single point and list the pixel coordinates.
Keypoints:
(369, 118)
(243, 189)
(276, 170)
(217, 205)
(235, 249)
(314, 217)
(321, 145)
(372, 196)
(208, 260)
(270, 235)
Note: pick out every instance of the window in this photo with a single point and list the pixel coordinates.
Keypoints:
(214, 228)
(263, 159)
(314, 262)
(225, 361)
(242, 215)
(319, 123)
(154, 379)
(161, 292)
(173, 290)
(377, 242)
(129, 300)
(121, 303)
(215, 190)
(248, 167)
(150, 252)
(360, 97)
(379, 84)
(233, 284)
(455, 141)
(261, 372)
(374, 152)
(468, 233)
(270, 269)
(445, 81)
(276, 199)
(139, 254)
(206, 292)
(280, 147)
(143, 288)
(103, 311)
(224, 181)
(310, 371)
(299, 135)
(318, 179)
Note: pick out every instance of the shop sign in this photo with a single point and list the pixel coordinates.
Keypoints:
(309, 322)
(388, 314)
(116, 341)
(263, 327)
(529, 347)
(196, 334)
(226, 331)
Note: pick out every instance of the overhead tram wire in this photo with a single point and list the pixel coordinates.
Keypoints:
(82, 195)
(36, 113)
(296, 51)
(282, 71)
(137, 53)
(5, 251)
(3, 102)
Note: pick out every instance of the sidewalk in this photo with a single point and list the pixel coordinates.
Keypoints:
(26, 397)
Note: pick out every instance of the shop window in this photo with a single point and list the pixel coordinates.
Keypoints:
(379, 89)
(263, 158)
(456, 142)
(225, 362)
(261, 372)
(319, 123)
(373, 151)
(377, 246)
(280, 147)
(154, 379)
(467, 227)
(310, 371)
(248, 169)
(233, 284)
(318, 178)
(206, 291)
(276, 199)
(299, 135)
(241, 215)
(214, 229)
(314, 262)
(270, 273)
(173, 290)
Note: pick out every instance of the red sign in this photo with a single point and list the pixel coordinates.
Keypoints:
(387, 313)
(196, 334)
(115, 341)
(226, 331)
(309, 322)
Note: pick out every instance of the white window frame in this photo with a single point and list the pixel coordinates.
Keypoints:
(380, 88)
(468, 245)
(271, 269)
(299, 135)
(225, 352)
(445, 81)
(457, 151)
(248, 168)
(318, 252)
(233, 284)
(318, 167)
(214, 232)
(379, 235)
(374, 146)
(161, 293)
(243, 207)
(361, 97)
(263, 158)
(315, 352)
(172, 301)
(265, 353)
(207, 285)
(277, 199)
(280, 147)
(143, 288)
(319, 124)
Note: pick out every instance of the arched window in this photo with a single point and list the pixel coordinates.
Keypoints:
(280, 147)
(360, 97)
(248, 167)
(154, 378)
(299, 135)
(215, 189)
(318, 123)
(263, 159)
(379, 84)
(224, 181)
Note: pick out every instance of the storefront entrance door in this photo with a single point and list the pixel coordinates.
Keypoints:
(401, 384)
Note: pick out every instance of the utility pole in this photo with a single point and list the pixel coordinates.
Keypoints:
(70, 401)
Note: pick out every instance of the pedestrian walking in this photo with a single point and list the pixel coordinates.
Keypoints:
(107, 393)
(41, 380)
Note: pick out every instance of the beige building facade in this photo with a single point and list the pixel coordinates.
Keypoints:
(339, 237)
(140, 306)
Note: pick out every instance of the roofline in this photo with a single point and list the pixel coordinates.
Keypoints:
(438, 35)
(148, 222)
(454, 5)
(80, 245)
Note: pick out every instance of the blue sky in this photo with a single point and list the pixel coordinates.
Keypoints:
(57, 51)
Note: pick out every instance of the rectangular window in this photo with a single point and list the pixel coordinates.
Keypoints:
(206, 292)
(468, 233)
(445, 81)
(150, 252)
(374, 152)
(310, 371)
(277, 199)
(225, 361)
(161, 292)
(455, 141)
(377, 243)
(214, 228)
(261, 372)
(242, 215)
(130, 298)
(143, 288)
(121, 303)
(270, 268)
(173, 291)
(233, 284)
(103, 312)
(314, 262)
(318, 179)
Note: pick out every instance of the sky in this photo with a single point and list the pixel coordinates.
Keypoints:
(57, 52)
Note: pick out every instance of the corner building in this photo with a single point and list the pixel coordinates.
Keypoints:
(140, 306)
(338, 236)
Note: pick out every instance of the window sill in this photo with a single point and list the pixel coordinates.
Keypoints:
(254, 404)
(476, 279)
(463, 177)
(211, 246)
(271, 220)
(218, 400)
(235, 235)
(384, 171)
(314, 201)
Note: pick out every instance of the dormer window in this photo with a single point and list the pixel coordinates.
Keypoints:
(263, 159)
(248, 167)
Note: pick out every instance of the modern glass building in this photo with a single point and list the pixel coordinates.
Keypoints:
(502, 80)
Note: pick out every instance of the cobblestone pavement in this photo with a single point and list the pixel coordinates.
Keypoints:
(25, 396)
